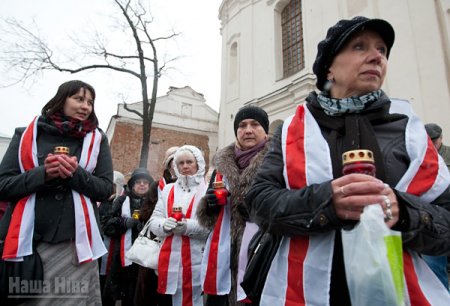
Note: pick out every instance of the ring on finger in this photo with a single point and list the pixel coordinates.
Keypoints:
(388, 214)
(387, 202)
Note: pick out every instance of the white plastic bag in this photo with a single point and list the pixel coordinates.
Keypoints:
(373, 261)
(145, 251)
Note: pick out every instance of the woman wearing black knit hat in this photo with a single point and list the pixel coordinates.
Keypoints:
(121, 227)
(301, 194)
(236, 165)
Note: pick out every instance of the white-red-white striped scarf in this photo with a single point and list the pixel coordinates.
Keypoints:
(125, 239)
(176, 248)
(88, 241)
(302, 266)
(216, 272)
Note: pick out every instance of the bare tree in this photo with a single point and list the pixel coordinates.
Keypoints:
(32, 55)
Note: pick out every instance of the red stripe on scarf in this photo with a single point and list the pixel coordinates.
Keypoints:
(412, 283)
(86, 218)
(297, 254)
(11, 248)
(427, 173)
(26, 157)
(112, 243)
(91, 145)
(88, 223)
(187, 271)
(26, 148)
(210, 283)
(296, 166)
(189, 211)
(170, 202)
(164, 253)
(161, 184)
(163, 264)
(295, 151)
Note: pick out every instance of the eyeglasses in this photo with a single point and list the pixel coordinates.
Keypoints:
(143, 182)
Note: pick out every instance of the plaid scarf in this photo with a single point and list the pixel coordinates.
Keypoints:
(355, 104)
(71, 126)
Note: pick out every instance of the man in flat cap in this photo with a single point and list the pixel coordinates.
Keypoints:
(438, 263)
(435, 133)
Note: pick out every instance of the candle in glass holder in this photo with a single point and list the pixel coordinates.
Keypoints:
(221, 192)
(135, 214)
(358, 161)
(61, 150)
(177, 213)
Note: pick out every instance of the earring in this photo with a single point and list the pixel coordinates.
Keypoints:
(327, 85)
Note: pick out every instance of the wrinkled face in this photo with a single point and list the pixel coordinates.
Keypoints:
(360, 67)
(141, 187)
(249, 134)
(80, 105)
(186, 163)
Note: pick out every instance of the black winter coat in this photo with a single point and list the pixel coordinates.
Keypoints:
(55, 218)
(424, 227)
(120, 283)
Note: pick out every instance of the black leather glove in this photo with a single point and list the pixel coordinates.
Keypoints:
(211, 201)
(130, 222)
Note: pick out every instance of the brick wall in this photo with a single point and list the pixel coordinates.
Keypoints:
(126, 147)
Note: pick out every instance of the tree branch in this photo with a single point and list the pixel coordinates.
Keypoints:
(125, 106)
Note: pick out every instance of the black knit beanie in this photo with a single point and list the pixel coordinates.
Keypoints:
(339, 34)
(251, 112)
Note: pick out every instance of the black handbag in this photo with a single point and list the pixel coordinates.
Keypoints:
(262, 249)
(13, 274)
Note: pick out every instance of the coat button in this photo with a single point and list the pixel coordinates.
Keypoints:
(425, 218)
(59, 196)
(322, 219)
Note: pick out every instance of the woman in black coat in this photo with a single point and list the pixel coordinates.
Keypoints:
(301, 193)
(54, 195)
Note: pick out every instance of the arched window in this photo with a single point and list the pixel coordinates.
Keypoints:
(233, 63)
(292, 35)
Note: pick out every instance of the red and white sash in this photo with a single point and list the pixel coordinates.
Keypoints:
(88, 241)
(161, 185)
(125, 239)
(302, 266)
(177, 250)
(216, 272)
(106, 259)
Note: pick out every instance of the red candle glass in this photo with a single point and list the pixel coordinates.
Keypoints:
(177, 213)
(358, 161)
(221, 192)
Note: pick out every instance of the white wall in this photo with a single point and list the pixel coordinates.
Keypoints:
(4, 143)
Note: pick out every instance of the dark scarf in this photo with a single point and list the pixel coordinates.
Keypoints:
(355, 129)
(243, 158)
(71, 126)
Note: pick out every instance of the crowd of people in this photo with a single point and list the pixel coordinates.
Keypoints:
(274, 210)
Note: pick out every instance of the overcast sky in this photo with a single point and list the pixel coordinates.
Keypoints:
(58, 21)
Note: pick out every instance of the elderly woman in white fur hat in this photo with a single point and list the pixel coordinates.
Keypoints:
(174, 219)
